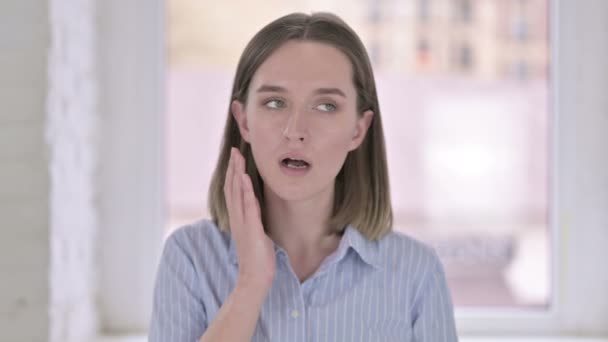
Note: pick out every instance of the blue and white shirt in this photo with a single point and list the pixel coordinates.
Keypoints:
(393, 289)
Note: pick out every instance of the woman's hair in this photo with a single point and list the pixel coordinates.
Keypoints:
(361, 196)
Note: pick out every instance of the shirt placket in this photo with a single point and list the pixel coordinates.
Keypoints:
(294, 313)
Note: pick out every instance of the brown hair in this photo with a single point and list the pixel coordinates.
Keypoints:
(361, 196)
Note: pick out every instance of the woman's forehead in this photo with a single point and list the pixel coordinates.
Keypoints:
(306, 64)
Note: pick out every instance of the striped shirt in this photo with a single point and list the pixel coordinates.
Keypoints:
(393, 289)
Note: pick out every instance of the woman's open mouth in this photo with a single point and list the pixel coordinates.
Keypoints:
(294, 167)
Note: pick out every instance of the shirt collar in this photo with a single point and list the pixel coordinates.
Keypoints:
(367, 250)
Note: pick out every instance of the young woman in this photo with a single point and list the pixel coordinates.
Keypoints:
(300, 247)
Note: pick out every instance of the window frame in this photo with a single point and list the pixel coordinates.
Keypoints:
(132, 76)
(566, 315)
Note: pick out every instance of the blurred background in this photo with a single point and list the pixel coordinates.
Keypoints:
(464, 94)
(496, 121)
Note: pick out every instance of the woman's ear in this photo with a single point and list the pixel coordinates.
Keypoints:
(238, 112)
(361, 129)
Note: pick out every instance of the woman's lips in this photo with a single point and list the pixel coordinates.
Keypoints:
(295, 156)
(290, 171)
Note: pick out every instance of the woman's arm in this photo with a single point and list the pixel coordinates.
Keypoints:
(237, 318)
(433, 310)
(179, 312)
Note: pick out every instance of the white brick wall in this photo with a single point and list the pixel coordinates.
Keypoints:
(48, 157)
(71, 134)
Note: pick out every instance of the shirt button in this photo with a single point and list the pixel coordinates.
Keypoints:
(295, 313)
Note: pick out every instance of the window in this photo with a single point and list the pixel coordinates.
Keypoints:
(468, 151)
(132, 69)
(424, 10)
(464, 10)
(423, 54)
(465, 57)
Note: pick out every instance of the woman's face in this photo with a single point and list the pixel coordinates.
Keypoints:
(301, 105)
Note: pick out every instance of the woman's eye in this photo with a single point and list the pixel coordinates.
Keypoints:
(274, 104)
(326, 107)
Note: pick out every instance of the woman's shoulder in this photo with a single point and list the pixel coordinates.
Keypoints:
(201, 236)
(399, 250)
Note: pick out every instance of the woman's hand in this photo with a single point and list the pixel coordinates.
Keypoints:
(255, 249)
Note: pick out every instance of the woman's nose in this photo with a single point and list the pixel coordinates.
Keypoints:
(295, 128)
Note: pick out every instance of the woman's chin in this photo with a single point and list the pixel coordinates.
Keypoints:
(292, 195)
(293, 189)
(291, 192)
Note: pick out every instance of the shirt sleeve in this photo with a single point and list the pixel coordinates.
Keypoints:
(178, 313)
(433, 312)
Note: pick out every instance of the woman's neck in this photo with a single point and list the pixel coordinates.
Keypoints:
(301, 227)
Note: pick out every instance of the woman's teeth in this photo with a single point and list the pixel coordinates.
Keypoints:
(292, 166)
(296, 164)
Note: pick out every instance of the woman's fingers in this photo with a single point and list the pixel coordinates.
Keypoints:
(254, 249)
(244, 208)
(237, 190)
(250, 205)
(228, 181)
(257, 206)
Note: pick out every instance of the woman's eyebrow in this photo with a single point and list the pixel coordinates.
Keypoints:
(271, 89)
(334, 91)
(320, 91)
